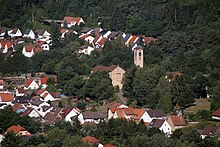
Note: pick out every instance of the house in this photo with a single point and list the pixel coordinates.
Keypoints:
(112, 108)
(69, 21)
(2, 33)
(6, 98)
(116, 73)
(29, 34)
(1, 84)
(15, 33)
(63, 32)
(51, 96)
(211, 131)
(42, 44)
(18, 108)
(148, 40)
(69, 112)
(132, 114)
(87, 37)
(44, 110)
(132, 40)
(86, 30)
(92, 141)
(162, 125)
(216, 114)
(155, 114)
(105, 33)
(95, 117)
(30, 50)
(31, 84)
(100, 43)
(41, 92)
(171, 76)
(43, 82)
(5, 46)
(18, 130)
(85, 49)
(113, 35)
(176, 122)
(37, 104)
(42, 33)
(53, 116)
(20, 92)
(22, 99)
(31, 112)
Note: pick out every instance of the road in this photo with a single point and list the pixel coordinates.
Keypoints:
(123, 99)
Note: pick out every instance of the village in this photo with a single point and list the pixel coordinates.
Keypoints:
(28, 94)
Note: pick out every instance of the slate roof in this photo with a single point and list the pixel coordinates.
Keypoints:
(85, 30)
(211, 130)
(36, 102)
(22, 99)
(104, 68)
(157, 122)
(27, 31)
(113, 35)
(156, 113)
(45, 108)
(94, 115)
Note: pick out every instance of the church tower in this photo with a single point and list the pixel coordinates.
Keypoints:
(139, 56)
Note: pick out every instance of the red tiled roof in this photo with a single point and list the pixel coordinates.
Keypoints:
(29, 47)
(104, 68)
(40, 92)
(102, 41)
(90, 140)
(17, 106)
(96, 38)
(39, 43)
(113, 106)
(15, 129)
(132, 39)
(21, 90)
(28, 82)
(178, 120)
(43, 80)
(8, 43)
(148, 40)
(173, 75)
(28, 111)
(6, 97)
(36, 50)
(63, 31)
(69, 19)
(216, 113)
(84, 36)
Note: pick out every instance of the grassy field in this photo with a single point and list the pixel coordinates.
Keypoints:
(200, 104)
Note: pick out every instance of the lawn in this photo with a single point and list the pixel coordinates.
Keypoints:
(200, 104)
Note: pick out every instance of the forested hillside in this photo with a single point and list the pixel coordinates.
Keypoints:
(188, 33)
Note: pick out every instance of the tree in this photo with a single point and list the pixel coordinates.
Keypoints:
(12, 140)
(182, 91)
(73, 87)
(128, 80)
(165, 101)
(98, 86)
